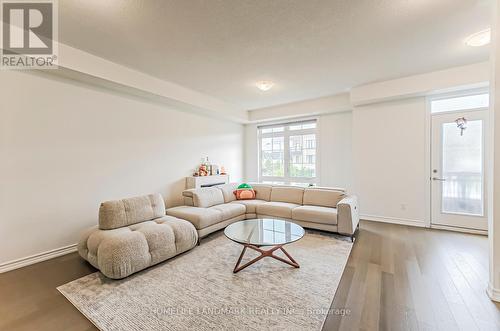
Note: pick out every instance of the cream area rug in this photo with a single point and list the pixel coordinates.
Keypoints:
(198, 290)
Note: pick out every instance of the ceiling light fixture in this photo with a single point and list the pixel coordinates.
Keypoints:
(478, 39)
(264, 85)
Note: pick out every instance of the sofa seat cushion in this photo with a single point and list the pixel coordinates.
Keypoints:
(251, 205)
(277, 209)
(123, 251)
(315, 214)
(229, 210)
(183, 234)
(199, 217)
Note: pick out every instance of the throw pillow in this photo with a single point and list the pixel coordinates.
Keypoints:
(244, 192)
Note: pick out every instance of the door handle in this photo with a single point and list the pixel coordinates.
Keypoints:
(440, 179)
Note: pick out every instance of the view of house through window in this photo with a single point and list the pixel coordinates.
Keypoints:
(288, 153)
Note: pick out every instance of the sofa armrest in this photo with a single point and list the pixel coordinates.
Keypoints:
(203, 197)
(347, 215)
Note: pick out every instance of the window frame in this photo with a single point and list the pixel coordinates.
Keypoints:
(456, 94)
(286, 134)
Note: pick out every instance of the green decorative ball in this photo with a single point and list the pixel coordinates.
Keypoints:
(244, 186)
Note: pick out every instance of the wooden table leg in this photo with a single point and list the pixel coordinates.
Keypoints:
(292, 262)
(239, 259)
(264, 253)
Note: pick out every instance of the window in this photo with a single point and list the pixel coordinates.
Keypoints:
(467, 102)
(288, 153)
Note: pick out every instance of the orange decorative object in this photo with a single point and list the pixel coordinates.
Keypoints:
(244, 194)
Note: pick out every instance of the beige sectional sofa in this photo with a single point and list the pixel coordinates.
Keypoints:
(138, 232)
(134, 234)
(213, 208)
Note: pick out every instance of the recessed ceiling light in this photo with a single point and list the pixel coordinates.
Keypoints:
(264, 85)
(480, 38)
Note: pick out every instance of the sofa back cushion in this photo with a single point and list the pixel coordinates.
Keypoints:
(325, 197)
(205, 197)
(262, 191)
(119, 213)
(228, 191)
(287, 194)
(188, 201)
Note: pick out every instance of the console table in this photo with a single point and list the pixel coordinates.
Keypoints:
(206, 181)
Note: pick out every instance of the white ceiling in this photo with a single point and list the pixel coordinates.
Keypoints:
(309, 48)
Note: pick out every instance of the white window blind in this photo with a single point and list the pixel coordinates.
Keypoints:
(287, 153)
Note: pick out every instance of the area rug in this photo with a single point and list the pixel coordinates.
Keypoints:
(198, 290)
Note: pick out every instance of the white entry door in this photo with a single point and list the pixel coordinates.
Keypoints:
(458, 170)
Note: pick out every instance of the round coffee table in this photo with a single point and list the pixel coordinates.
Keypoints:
(256, 233)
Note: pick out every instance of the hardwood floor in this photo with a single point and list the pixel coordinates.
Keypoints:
(397, 278)
(29, 299)
(406, 278)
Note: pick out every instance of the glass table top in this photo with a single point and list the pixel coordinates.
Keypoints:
(264, 232)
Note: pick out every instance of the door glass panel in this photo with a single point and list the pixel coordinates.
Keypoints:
(462, 190)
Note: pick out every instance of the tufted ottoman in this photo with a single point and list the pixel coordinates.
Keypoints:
(134, 234)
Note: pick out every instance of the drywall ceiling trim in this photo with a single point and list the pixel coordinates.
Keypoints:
(449, 80)
(325, 105)
(126, 91)
(78, 61)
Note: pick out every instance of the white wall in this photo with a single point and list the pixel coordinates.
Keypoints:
(334, 136)
(389, 160)
(251, 153)
(66, 146)
(335, 150)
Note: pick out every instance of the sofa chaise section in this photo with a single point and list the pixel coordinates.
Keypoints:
(322, 208)
(209, 209)
(134, 234)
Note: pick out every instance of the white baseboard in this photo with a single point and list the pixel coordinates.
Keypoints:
(394, 220)
(25, 261)
(420, 224)
(493, 293)
(458, 229)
